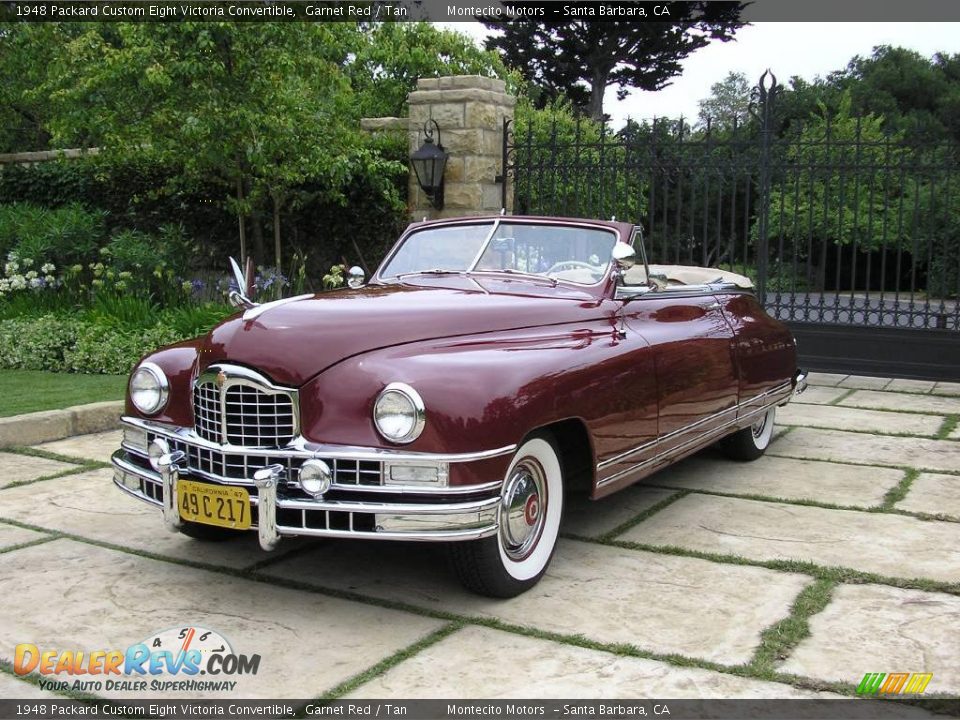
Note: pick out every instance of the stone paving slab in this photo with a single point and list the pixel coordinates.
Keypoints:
(21, 468)
(954, 434)
(892, 545)
(827, 379)
(90, 505)
(923, 454)
(911, 386)
(864, 382)
(816, 395)
(947, 388)
(308, 642)
(479, 662)
(593, 518)
(858, 419)
(663, 603)
(903, 401)
(873, 628)
(11, 535)
(95, 446)
(782, 478)
(934, 494)
(12, 688)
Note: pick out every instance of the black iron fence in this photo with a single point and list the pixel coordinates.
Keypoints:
(849, 232)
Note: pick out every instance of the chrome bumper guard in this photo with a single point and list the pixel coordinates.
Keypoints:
(799, 382)
(415, 521)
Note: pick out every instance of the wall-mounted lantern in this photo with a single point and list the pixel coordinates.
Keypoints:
(428, 162)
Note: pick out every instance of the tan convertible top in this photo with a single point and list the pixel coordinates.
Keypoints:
(688, 275)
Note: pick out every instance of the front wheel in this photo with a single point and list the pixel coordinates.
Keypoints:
(750, 442)
(531, 505)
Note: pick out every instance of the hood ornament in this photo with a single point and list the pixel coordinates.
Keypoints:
(221, 379)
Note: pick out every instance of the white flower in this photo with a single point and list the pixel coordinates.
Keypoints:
(4, 285)
(48, 268)
(36, 282)
(32, 275)
(27, 262)
(17, 282)
(50, 279)
(11, 267)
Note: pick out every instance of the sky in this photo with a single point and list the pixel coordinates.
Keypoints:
(806, 50)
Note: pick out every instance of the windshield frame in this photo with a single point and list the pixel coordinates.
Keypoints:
(495, 222)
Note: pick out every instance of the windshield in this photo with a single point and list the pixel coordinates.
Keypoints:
(574, 254)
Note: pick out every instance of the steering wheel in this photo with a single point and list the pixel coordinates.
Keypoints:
(571, 264)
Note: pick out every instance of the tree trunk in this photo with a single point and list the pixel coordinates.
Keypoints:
(258, 249)
(598, 87)
(276, 231)
(241, 225)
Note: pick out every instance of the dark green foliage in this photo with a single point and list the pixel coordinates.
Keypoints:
(580, 59)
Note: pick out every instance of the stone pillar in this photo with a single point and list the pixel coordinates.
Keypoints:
(470, 111)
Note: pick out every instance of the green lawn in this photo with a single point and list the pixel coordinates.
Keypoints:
(23, 391)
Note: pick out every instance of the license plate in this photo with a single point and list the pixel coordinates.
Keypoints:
(219, 505)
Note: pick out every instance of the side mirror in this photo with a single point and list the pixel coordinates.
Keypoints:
(624, 256)
(238, 297)
(355, 277)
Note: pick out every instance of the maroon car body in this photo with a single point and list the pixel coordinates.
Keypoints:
(615, 380)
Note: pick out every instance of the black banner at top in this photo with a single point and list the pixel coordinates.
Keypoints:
(461, 10)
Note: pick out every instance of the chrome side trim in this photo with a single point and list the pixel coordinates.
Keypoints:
(780, 389)
(677, 450)
(299, 447)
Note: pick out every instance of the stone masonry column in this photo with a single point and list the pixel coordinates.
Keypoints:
(470, 111)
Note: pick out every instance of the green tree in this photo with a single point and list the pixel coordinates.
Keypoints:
(391, 57)
(728, 103)
(580, 59)
(838, 186)
(258, 108)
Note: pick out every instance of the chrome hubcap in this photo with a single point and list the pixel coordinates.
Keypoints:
(522, 510)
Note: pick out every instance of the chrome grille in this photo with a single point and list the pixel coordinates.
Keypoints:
(254, 418)
(239, 468)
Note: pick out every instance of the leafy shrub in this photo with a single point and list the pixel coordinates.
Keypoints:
(112, 350)
(63, 235)
(38, 343)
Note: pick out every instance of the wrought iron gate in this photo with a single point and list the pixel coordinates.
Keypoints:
(851, 234)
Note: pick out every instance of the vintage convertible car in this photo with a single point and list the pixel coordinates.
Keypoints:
(490, 367)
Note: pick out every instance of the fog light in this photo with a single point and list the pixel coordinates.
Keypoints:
(158, 448)
(315, 477)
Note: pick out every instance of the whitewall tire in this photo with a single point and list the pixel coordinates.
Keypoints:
(531, 508)
(752, 441)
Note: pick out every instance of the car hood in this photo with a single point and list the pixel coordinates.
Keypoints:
(292, 341)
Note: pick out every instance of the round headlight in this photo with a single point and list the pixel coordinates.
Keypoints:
(399, 413)
(315, 477)
(149, 389)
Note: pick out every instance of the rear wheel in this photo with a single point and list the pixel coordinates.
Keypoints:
(208, 533)
(531, 505)
(750, 442)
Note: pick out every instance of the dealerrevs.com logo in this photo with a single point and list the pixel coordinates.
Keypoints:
(182, 659)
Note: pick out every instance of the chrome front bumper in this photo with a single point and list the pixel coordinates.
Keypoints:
(420, 521)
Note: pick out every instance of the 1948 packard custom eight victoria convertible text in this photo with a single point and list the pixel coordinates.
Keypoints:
(491, 366)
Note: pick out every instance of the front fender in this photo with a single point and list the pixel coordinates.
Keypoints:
(480, 393)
